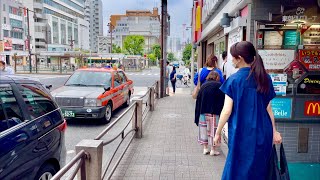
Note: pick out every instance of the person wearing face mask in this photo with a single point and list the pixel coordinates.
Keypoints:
(4, 69)
(247, 108)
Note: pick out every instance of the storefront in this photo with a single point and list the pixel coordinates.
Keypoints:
(289, 45)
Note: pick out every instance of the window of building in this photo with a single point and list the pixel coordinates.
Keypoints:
(37, 101)
(76, 35)
(15, 11)
(69, 31)
(10, 112)
(17, 35)
(4, 20)
(15, 23)
(64, 8)
(5, 33)
(18, 47)
(63, 32)
(4, 7)
(55, 30)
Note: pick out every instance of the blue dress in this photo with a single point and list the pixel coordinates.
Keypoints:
(250, 133)
(204, 73)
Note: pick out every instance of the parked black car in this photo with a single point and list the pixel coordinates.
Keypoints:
(31, 130)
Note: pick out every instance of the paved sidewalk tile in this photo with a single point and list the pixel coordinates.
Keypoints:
(169, 148)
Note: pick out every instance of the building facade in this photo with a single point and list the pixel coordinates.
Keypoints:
(12, 33)
(286, 35)
(144, 23)
(93, 14)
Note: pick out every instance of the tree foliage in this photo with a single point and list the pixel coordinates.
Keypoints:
(116, 49)
(152, 57)
(156, 49)
(134, 44)
(171, 57)
(187, 52)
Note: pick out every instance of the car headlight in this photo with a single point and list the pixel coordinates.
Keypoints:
(92, 102)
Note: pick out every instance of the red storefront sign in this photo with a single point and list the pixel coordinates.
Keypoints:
(312, 108)
(310, 59)
(7, 44)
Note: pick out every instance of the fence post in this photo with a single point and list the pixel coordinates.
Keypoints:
(137, 122)
(93, 164)
(151, 98)
(157, 89)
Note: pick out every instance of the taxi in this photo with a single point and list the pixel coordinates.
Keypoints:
(94, 93)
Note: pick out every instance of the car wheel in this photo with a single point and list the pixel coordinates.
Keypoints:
(108, 114)
(127, 103)
(46, 172)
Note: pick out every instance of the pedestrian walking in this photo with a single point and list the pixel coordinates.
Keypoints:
(251, 126)
(211, 64)
(5, 69)
(209, 104)
(167, 78)
(173, 79)
(223, 67)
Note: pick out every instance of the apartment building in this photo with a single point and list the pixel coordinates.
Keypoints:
(93, 14)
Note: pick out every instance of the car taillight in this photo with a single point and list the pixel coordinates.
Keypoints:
(62, 127)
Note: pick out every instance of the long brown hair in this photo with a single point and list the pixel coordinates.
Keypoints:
(246, 50)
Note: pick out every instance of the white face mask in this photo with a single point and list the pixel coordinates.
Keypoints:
(235, 64)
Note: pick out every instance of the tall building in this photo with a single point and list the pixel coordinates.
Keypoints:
(140, 22)
(12, 30)
(93, 14)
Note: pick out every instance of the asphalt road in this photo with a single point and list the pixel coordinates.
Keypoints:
(79, 130)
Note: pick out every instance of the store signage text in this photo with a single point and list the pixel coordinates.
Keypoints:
(276, 59)
(6, 27)
(312, 108)
(310, 59)
(299, 16)
(208, 7)
(311, 81)
(282, 108)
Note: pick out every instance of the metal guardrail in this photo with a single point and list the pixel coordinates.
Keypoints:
(88, 161)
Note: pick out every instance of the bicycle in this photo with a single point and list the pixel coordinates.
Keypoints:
(183, 81)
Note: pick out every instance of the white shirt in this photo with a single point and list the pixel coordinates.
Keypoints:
(7, 70)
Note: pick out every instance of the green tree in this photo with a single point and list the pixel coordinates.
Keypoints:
(134, 44)
(171, 57)
(156, 50)
(187, 52)
(116, 49)
(152, 57)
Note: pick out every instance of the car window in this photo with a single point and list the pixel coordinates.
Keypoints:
(117, 79)
(38, 102)
(123, 77)
(89, 78)
(10, 112)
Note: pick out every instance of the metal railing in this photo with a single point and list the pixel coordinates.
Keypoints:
(88, 161)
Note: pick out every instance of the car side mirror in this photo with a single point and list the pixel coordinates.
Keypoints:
(49, 87)
(106, 88)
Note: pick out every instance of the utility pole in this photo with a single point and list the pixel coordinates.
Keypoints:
(163, 60)
(29, 41)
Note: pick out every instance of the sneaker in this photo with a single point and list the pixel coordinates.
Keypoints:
(206, 151)
(214, 153)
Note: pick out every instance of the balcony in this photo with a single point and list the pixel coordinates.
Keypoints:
(40, 35)
(40, 44)
(37, 5)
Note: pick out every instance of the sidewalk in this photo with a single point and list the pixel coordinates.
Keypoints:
(169, 148)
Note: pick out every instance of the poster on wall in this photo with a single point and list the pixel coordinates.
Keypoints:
(282, 108)
(276, 59)
(279, 82)
(310, 59)
(273, 38)
(309, 85)
(234, 36)
(290, 38)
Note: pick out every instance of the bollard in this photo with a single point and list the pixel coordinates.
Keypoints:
(93, 165)
(151, 98)
(137, 122)
(157, 89)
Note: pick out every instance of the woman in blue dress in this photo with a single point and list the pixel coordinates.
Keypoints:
(251, 127)
(211, 64)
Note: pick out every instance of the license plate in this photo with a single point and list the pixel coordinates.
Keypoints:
(68, 114)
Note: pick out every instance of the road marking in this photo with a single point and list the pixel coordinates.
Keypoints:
(70, 151)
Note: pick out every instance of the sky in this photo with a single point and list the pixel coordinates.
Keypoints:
(179, 10)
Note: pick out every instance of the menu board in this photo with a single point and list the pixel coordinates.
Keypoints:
(279, 82)
(309, 85)
(290, 38)
(282, 108)
(273, 38)
(276, 59)
(310, 59)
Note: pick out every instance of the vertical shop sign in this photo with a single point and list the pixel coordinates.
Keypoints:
(7, 44)
(282, 108)
(310, 59)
